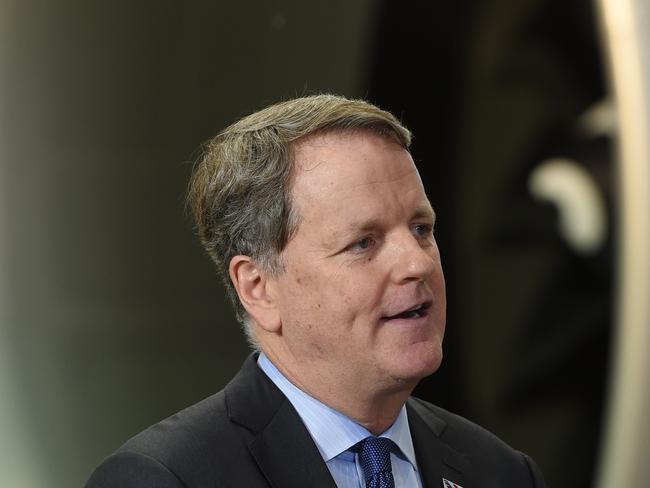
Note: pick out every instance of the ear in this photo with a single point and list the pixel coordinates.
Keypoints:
(253, 291)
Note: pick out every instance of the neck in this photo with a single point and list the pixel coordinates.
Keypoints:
(375, 408)
(377, 416)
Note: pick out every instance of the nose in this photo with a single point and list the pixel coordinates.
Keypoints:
(416, 259)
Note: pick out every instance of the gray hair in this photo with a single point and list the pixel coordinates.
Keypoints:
(240, 192)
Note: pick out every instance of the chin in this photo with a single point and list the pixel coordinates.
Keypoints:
(417, 363)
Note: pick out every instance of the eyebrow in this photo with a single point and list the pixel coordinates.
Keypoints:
(423, 211)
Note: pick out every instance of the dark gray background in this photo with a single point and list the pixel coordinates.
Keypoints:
(111, 316)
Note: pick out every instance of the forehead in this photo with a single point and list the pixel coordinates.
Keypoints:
(354, 173)
(353, 156)
(314, 149)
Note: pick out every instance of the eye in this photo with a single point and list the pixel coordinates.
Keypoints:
(362, 244)
(422, 230)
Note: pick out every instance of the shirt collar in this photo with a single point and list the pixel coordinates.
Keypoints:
(333, 432)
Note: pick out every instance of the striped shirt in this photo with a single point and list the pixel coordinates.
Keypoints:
(334, 434)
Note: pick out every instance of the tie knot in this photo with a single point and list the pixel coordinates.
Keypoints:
(374, 457)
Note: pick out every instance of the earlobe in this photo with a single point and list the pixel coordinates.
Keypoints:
(251, 285)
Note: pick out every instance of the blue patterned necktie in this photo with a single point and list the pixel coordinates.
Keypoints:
(374, 457)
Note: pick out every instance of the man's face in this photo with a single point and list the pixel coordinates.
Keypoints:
(362, 298)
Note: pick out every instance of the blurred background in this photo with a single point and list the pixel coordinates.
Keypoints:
(111, 316)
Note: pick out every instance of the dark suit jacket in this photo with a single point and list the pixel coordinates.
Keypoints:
(249, 435)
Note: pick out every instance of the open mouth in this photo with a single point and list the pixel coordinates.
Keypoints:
(420, 310)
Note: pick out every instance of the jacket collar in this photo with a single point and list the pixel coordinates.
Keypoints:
(286, 454)
(281, 444)
(436, 459)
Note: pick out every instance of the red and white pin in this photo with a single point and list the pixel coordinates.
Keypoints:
(449, 484)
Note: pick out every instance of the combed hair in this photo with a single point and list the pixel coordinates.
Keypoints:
(240, 191)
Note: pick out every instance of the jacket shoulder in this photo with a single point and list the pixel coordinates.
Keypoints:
(180, 449)
(132, 470)
(453, 427)
(191, 430)
(489, 456)
(206, 444)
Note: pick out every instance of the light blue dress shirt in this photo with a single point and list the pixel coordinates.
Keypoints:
(334, 434)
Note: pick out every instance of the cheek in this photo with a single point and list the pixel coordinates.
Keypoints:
(305, 298)
(324, 306)
(352, 293)
(334, 297)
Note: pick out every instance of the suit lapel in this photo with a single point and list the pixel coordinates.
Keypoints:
(287, 454)
(436, 460)
(281, 445)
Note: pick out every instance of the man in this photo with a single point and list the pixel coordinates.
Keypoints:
(315, 215)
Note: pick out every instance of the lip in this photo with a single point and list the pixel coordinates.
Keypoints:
(420, 325)
(423, 312)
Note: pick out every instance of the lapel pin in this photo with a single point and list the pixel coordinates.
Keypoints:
(448, 484)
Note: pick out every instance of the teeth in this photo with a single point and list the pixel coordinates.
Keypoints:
(411, 312)
(417, 307)
(416, 311)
